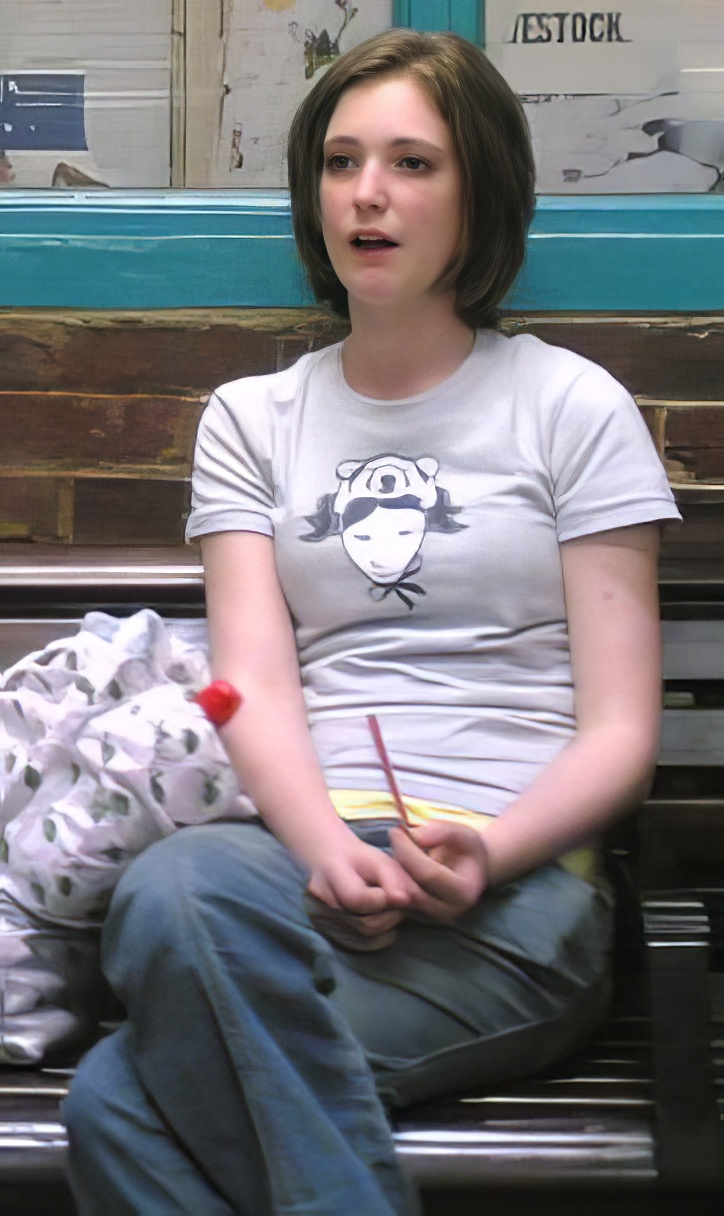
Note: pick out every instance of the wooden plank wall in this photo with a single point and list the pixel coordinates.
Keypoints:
(98, 411)
(98, 414)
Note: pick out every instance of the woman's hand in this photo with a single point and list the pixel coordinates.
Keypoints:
(346, 873)
(448, 863)
(358, 899)
(368, 932)
(357, 894)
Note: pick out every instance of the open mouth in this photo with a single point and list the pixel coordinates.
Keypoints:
(374, 242)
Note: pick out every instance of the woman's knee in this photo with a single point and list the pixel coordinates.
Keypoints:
(145, 914)
(192, 863)
(186, 889)
(205, 860)
(91, 1093)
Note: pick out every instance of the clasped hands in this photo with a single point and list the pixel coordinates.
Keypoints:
(359, 898)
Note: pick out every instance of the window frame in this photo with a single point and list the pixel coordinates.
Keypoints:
(121, 249)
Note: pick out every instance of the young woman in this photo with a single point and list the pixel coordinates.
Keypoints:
(430, 555)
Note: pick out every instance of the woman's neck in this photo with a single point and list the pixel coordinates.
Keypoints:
(395, 357)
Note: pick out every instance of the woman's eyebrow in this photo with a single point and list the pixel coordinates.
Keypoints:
(400, 141)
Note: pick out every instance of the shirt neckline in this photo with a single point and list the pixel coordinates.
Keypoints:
(390, 402)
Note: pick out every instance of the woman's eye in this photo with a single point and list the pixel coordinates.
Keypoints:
(337, 161)
(414, 163)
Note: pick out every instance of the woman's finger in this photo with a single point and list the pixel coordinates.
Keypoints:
(353, 932)
(376, 922)
(432, 875)
(450, 874)
(368, 925)
(352, 894)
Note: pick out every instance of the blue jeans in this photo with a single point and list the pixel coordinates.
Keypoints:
(252, 1075)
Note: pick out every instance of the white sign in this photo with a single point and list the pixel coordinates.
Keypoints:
(626, 99)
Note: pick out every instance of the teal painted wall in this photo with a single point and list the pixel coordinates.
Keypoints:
(466, 17)
(207, 249)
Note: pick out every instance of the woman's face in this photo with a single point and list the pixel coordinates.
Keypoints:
(390, 192)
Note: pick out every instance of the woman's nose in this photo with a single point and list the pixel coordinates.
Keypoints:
(370, 190)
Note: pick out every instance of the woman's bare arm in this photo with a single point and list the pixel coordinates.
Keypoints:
(268, 739)
(615, 638)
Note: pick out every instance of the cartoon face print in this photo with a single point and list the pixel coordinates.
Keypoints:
(382, 510)
(383, 543)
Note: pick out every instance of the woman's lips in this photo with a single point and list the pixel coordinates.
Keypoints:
(372, 248)
(373, 242)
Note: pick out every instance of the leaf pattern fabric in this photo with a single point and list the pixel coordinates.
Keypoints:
(102, 752)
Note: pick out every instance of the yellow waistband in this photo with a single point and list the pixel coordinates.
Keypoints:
(353, 805)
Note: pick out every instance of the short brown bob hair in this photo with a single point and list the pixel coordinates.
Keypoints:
(491, 137)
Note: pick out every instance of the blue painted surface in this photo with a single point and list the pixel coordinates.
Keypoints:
(224, 249)
(646, 253)
(429, 14)
(112, 249)
(465, 17)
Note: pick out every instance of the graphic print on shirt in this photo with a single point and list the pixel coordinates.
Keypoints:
(381, 510)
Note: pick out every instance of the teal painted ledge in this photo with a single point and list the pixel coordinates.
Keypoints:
(148, 250)
(115, 250)
(648, 253)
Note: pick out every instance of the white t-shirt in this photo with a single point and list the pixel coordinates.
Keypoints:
(417, 544)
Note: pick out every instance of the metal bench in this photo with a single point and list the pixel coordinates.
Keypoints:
(640, 1109)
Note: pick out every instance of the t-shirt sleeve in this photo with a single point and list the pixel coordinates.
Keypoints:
(606, 472)
(231, 487)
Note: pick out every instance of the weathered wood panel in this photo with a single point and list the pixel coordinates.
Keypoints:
(667, 357)
(654, 416)
(166, 352)
(112, 512)
(90, 511)
(195, 350)
(695, 441)
(99, 411)
(81, 434)
(37, 509)
(696, 549)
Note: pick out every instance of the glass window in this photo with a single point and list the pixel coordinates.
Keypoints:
(85, 93)
(160, 93)
(269, 56)
(198, 93)
(626, 99)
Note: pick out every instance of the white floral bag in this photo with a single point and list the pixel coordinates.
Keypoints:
(102, 752)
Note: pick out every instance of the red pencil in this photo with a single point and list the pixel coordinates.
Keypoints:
(389, 774)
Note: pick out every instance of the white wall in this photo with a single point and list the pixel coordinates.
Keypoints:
(262, 66)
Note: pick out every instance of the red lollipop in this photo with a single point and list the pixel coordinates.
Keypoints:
(219, 701)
